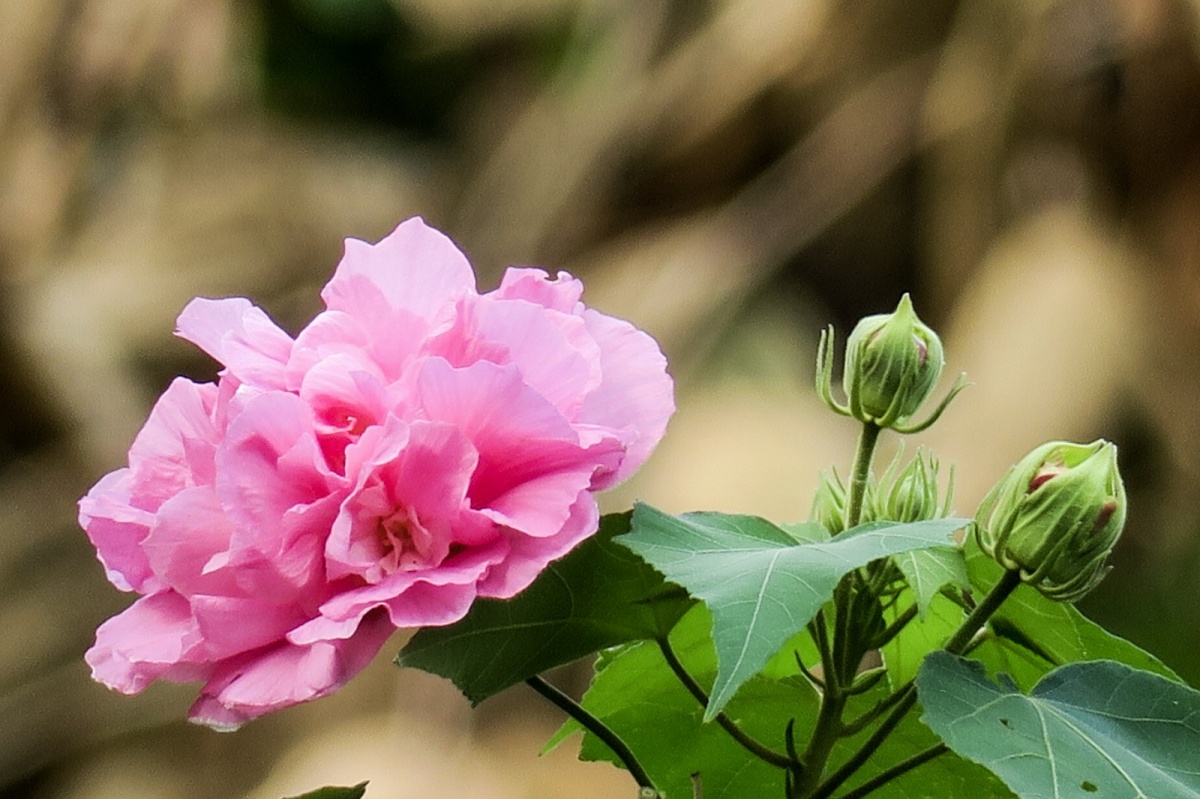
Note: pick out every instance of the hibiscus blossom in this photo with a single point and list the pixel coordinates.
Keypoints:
(416, 446)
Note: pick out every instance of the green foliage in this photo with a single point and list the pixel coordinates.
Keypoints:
(761, 583)
(927, 571)
(330, 792)
(636, 694)
(1098, 729)
(596, 597)
(904, 653)
(1033, 634)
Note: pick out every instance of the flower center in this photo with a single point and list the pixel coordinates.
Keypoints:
(405, 542)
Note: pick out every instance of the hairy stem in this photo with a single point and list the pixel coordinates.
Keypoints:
(597, 728)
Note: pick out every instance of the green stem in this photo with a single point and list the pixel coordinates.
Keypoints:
(860, 475)
(908, 695)
(893, 629)
(748, 743)
(901, 768)
(983, 611)
(597, 728)
(840, 661)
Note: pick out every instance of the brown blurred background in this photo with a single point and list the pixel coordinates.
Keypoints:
(729, 174)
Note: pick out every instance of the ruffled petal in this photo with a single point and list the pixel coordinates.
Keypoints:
(117, 530)
(522, 283)
(240, 336)
(529, 556)
(636, 397)
(283, 675)
(414, 268)
(154, 638)
(174, 449)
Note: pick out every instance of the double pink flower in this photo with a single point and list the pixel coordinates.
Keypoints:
(418, 445)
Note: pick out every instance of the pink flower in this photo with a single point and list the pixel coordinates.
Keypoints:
(418, 445)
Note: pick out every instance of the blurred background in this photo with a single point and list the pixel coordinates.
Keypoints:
(731, 175)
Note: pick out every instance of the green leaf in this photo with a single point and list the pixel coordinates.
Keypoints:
(596, 597)
(1098, 729)
(1034, 634)
(636, 694)
(904, 653)
(762, 584)
(928, 570)
(357, 792)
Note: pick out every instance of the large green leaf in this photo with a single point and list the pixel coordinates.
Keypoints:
(1034, 634)
(636, 694)
(356, 792)
(762, 583)
(597, 596)
(1098, 729)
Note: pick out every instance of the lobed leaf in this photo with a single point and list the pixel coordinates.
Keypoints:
(1097, 729)
(762, 583)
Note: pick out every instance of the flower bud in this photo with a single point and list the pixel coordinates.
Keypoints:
(893, 362)
(1056, 516)
(829, 503)
(911, 494)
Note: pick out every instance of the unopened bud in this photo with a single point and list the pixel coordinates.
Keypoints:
(1056, 516)
(911, 494)
(893, 362)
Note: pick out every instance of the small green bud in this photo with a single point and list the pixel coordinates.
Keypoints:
(1056, 516)
(911, 494)
(829, 503)
(893, 361)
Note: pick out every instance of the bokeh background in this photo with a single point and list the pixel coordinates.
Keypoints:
(731, 175)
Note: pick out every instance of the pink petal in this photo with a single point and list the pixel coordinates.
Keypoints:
(232, 625)
(117, 530)
(270, 463)
(529, 556)
(555, 352)
(434, 597)
(245, 688)
(240, 336)
(561, 294)
(190, 528)
(174, 449)
(414, 268)
(636, 397)
(155, 638)
(418, 472)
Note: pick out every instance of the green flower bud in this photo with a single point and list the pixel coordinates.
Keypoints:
(1056, 516)
(829, 503)
(893, 362)
(911, 494)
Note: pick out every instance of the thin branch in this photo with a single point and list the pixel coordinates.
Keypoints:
(737, 733)
(903, 767)
(879, 708)
(893, 629)
(596, 727)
